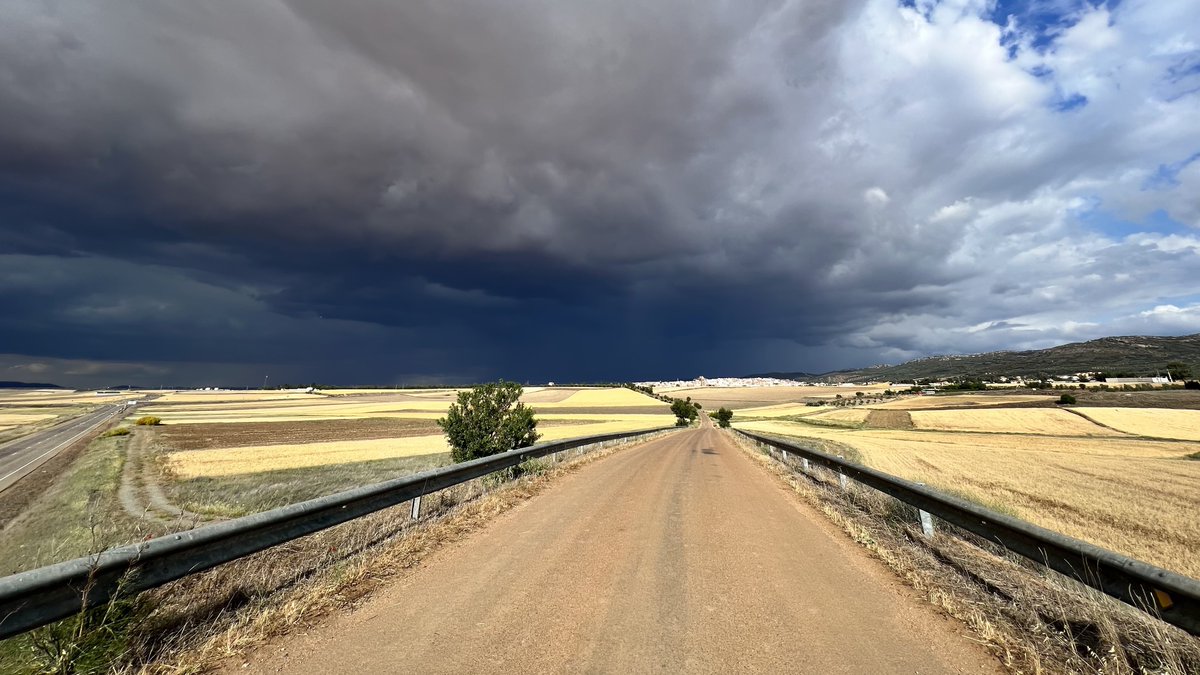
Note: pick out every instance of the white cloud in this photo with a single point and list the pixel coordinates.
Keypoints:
(876, 196)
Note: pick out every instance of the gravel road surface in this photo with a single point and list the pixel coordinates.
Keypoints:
(679, 555)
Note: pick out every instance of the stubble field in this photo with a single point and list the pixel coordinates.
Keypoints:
(758, 397)
(229, 453)
(24, 411)
(223, 454)
(1122, 478)
(1177, 424)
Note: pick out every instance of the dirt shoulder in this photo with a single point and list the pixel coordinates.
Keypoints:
(678, 555)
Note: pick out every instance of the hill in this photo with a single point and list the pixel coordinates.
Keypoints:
(27, 385)
(1133, 355)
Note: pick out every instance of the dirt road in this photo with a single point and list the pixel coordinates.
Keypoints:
(681, 555)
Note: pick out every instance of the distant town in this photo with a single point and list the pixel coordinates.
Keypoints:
(998, 382)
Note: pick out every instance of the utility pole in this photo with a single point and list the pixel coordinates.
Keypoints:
(265, 378)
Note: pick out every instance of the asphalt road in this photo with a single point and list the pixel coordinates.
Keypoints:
(680, 555)
(22, 456)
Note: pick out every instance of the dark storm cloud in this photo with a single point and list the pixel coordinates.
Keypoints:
(375, 189)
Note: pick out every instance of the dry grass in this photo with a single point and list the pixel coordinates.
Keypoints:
(74, 515)
(1034, 620)
(1011, 421)
(1156, 422)
(1134, 496)
(961, 400)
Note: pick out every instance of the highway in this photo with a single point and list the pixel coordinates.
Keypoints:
(20, 457)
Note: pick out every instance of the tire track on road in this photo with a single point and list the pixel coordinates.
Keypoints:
(680, 555)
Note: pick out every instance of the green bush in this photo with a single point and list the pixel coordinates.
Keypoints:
(488, 420)
(148, 421)
(1066, 399)
(1191, 384)
(119, 431)
(685, 411)
(724, 415)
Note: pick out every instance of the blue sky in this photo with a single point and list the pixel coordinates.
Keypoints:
(407, 192)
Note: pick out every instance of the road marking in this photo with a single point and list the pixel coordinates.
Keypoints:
(54, 449)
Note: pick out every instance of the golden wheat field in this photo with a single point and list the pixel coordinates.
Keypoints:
(24, 411)
(321, 409)
(568, 413)
(596, 398)
(961, 400)
(449, 393)
(1156, 422)
(738, 398)
(843, 416)
(778, 410)
(233, 396)
(17, 419)
(260, 458)
(1135, 496)
(1049, 421)
(37, 398)
(395, 405)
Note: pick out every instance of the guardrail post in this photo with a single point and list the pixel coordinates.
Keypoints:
(1176, 598)
(926, 523)
(416, 508)
(804, 464)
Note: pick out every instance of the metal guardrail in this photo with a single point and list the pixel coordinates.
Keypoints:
(41, 596)
(1171, 597)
